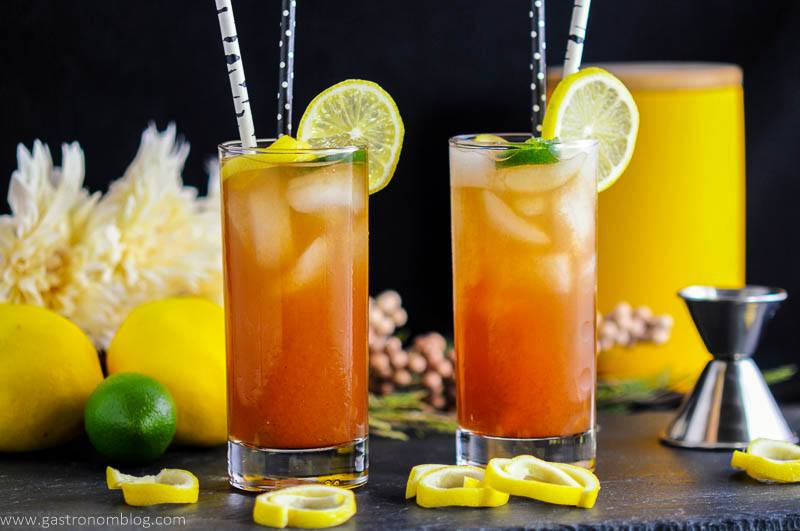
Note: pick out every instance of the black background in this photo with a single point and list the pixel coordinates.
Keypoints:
(98, 71)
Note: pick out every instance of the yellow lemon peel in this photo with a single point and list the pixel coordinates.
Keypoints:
(534, 478)
(767, 460)
(309, 506)
(171, 485)
(283, 150)
(463, 486)
(416, 473)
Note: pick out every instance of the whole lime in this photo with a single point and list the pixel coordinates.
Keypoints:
(130, 417)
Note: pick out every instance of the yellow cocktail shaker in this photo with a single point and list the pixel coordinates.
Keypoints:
(677, 215)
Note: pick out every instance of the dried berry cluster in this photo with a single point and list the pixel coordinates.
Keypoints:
(626, 326)
(427, 364)
(386, 314)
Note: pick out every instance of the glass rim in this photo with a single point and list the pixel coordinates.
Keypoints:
(234, 147)
(747, 293)
(465, 141)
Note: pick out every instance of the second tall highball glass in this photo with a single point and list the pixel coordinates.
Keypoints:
(524, 280)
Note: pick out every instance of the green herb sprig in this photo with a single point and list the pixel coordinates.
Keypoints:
(396, 415)
(533, 151)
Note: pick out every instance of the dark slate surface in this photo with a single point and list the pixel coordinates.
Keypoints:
(644, 485)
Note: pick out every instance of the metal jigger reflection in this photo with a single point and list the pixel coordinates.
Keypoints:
(730, 404)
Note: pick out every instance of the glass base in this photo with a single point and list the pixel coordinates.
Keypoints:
(258, 469)
(475, 449)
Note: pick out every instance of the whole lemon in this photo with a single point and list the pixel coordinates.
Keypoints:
(130, 417)
(48, 369)
(181, 343)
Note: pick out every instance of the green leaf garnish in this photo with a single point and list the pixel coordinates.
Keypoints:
(355, 157)
(532, 151)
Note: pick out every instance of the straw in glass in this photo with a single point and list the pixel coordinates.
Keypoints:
(577, 34)
(286, 67)
(538, 66)
(233, 57)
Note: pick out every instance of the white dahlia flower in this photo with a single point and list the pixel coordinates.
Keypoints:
(91, 258)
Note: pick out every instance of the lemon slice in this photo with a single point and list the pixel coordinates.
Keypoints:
(283, 150)
(489, 139)
(310, 506)
(171, 485)
(361, 113)
(584, 477)
(115, 478)
(767, 460)
(534, 478)
(461, 486)
(593, 104)
(416, 473)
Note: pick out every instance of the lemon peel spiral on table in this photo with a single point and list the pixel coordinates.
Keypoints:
(171, 485)
(307, 506)
(769, 461)
(556, 483)
(451, 486)
(414, 476)
(527, 476)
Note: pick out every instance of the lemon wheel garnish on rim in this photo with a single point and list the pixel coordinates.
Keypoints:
(769, 461)
(593, 104)
(534, 478)
(357, 112)
(171, 485)
(309, 506)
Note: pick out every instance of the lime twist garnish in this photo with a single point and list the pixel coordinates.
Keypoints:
(593, 104)
(361, 113)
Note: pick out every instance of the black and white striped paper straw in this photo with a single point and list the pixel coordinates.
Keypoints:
(286, 67)
(577, 34)
(538, 66)
(233, 58)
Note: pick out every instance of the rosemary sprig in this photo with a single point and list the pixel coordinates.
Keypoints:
(620, 395)
(396, 415)
(780, 374)
(393, 415)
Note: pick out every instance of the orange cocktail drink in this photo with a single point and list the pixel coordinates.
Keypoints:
(295, 253)
(524, 277)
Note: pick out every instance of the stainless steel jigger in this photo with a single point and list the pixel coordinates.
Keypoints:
(730, 404)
